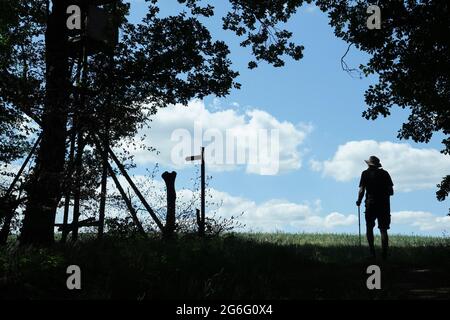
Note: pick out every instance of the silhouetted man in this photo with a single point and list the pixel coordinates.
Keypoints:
(376, 184)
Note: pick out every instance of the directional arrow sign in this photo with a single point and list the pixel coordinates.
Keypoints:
(193, 158)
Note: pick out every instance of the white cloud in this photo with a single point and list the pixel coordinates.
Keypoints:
(197, 122)
(410, 168)
(281, 215)
(424, 221)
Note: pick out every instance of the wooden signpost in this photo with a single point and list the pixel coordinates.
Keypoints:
(201, 221)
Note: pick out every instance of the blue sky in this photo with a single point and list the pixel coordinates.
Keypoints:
(323, 104)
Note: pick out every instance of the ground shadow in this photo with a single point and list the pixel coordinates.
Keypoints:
(230, 267)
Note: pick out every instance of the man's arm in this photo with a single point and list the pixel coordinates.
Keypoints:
(390, 185)
(361, 193)
(362, 189)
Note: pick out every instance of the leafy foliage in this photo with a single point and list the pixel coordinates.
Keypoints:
(20, 81)
(258, 22)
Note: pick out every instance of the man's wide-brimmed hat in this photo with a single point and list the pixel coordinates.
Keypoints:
(373, 161)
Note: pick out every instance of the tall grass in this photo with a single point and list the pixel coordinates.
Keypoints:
(235, 266)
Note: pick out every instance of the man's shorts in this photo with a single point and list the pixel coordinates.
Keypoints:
(380, 212)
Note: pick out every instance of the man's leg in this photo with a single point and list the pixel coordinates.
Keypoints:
(384, 242)
(384, 223)
(370, 239)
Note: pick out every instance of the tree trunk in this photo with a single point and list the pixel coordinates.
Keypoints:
(44, 189)
(169, 179)
(104, 181)
(103, 190)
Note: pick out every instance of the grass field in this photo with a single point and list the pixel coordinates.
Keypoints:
(235, 266)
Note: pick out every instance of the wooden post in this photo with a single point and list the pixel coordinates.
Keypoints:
(22, 168)
(127, 177)
(104, 153)
(104, 184)
(201, 217)
(9, 208)
(127, 201)
(136, 190)
(202, 193)
(80, 139)
(169, 179)
(77, 194)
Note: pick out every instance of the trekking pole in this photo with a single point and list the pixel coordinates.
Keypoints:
(359, 225)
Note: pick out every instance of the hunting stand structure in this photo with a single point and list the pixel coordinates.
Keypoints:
(99, 33)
